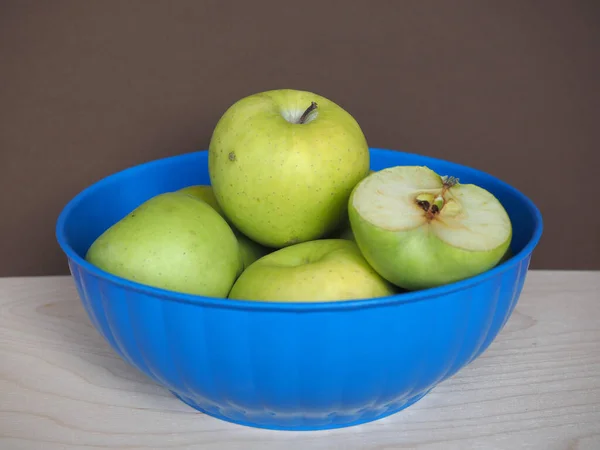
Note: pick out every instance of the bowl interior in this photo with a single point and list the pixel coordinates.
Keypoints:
(104, 203)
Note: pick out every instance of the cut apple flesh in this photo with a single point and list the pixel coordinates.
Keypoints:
(419, 230)
(404, 198)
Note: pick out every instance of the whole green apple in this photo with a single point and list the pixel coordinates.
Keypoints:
(282, 164)
(250, 251)
(205, 192)
(419, 230)
(313, 271)
(172, 241)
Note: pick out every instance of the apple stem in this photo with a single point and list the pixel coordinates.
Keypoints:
(439, 201)
(433, 205)
(448, 183)
(304, 116)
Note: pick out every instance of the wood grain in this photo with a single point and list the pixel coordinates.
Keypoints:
(537, 386)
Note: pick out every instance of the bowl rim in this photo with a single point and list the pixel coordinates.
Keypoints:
(298, 307)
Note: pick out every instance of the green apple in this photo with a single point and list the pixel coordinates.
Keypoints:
(282, 164)
(172, 241)
(313, 271)
(250, 251)
(507, 255)
(205, 192)
(420, 230)
(345, 232)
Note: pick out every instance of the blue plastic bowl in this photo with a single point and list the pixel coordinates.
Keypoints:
(292, 366)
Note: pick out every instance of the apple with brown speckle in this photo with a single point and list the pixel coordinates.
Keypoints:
(283, 163)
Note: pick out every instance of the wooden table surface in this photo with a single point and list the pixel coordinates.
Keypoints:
(536, 387)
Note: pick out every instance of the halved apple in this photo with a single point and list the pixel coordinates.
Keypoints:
(420, 230)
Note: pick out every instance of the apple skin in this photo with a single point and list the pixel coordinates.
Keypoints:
(172, 241)
(417, 259)
(282, 183)
(250, 251)
(345, 232)
(205, 192)
(313, 271)
(507, 255)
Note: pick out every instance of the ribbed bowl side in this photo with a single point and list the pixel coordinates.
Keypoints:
(319, 369)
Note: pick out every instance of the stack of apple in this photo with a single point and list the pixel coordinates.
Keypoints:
(294, 213)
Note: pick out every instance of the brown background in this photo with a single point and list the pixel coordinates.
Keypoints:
(91, 87)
